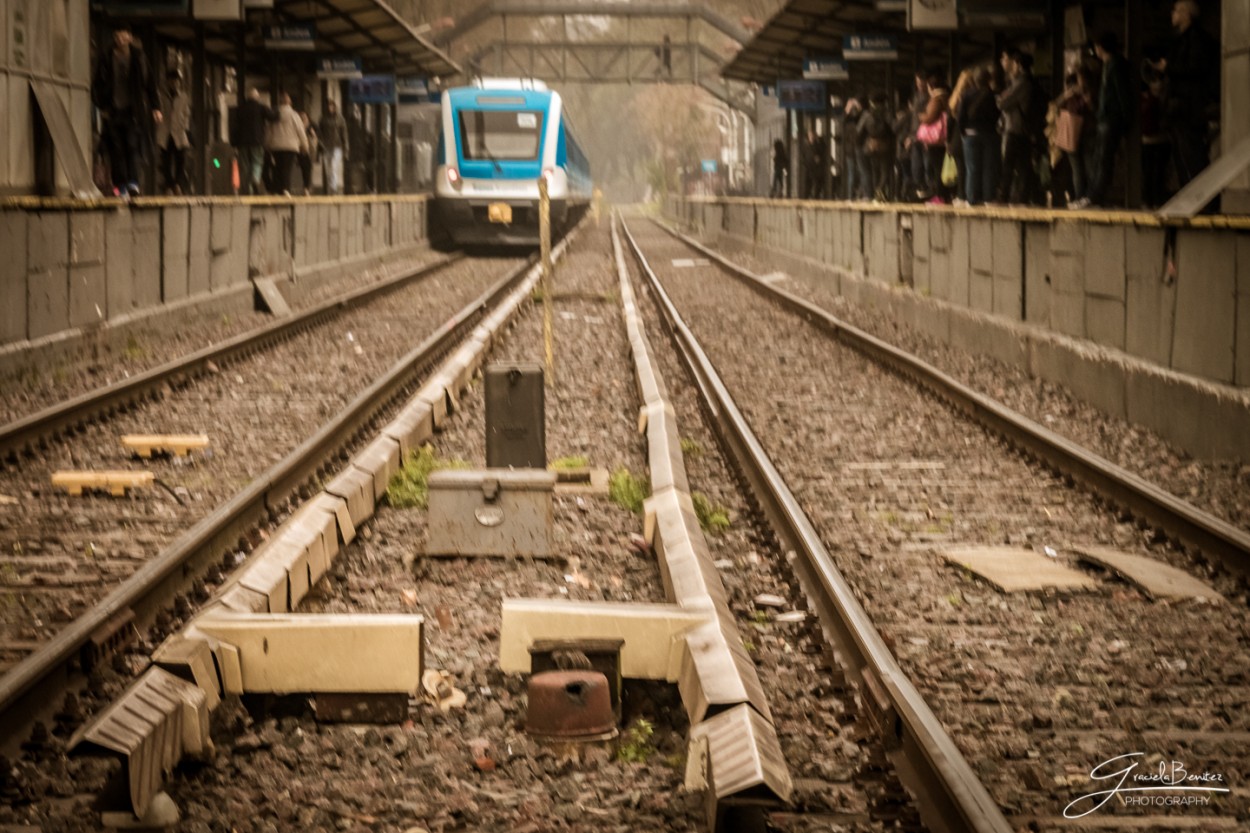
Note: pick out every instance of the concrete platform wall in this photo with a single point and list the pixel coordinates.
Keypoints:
(68, 269)
(1144, 322)
(84, 280)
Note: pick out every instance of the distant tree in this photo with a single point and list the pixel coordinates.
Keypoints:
(674, 119)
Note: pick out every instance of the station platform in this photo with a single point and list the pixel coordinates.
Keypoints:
(1143, 317)
(87, 274)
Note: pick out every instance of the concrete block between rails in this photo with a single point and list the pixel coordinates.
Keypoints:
(652, 632)
(718, 673)
(668, 468)
(355, 487)
(381, 461)
(374, 653)
(412, 427)
(155, 721)
(737, 754)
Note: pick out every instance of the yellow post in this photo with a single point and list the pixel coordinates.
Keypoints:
(596, 205)
(544, 238)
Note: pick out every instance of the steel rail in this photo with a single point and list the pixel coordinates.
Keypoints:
(29, 687)
(950, 797)
(1178, 518)
(29, 431)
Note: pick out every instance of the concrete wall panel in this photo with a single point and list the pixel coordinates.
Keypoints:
(1037, 280)
(1104, 261)
(88, 290)
(146, 240)
(921, 254)
(119, 272)
(47, 253)
(13, 269)
(1205, 304)
(959, 288)
(1242, 358)
(1008, 269)
(1150, 304)
(1067, 278)
(981, 265)
(175, 253)
(199, 250)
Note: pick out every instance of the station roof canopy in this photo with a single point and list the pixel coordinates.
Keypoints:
(372, 30)
(368, 29)
(804, 28)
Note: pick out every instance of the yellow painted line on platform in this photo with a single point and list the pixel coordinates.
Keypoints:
(114, 482)
(179, 445)
(1121, 217)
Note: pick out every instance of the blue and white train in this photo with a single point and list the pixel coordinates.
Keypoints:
(498, 137)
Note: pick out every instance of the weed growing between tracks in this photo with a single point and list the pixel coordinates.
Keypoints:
(627, 490)
(713, 518)
(410, 487)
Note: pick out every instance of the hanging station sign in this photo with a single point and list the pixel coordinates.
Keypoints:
(143, 8)
(339, 68)
(932, 14)
(412, 90)
(870, 47)
(826, 69)
(802, 95)
(1005, 14)
(291, 36)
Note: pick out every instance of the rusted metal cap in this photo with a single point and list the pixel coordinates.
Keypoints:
(570, 705)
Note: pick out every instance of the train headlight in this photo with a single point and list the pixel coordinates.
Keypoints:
(453, 177)
(549, 174)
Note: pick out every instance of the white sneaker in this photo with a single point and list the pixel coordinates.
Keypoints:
(1077, 205)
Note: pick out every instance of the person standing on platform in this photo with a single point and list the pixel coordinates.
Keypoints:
(1192, 70)
(933, 135)
(334, 147)
(978, 121)
(1114, 114)
(914, 149)
(1013, 186)
(287, 140)
(1156, 145)
(308, 155)
(125, 92)
(173, 134)
(249, 139)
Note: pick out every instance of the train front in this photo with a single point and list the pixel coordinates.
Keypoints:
(495, 145)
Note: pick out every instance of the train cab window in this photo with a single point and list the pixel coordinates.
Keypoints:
(501, 135)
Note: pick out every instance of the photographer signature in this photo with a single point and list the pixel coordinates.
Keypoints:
(1171, 776)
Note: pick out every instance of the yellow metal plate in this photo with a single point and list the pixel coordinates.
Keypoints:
(499, 212)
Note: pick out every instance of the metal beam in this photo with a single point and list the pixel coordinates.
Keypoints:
(511, 8)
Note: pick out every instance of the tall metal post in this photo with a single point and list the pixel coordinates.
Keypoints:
(544, 240)
(199, 83)
(1134, 12)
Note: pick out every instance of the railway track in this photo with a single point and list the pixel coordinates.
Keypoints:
(1035, 689)
(965, 709)
(83, 572)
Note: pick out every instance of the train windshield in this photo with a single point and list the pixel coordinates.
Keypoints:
(495, 135)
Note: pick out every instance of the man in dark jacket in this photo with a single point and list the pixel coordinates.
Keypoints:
(1115, 108)
(249, 139)
(1193, 85)
(1016, 182)
(124, 91)
(334, 143)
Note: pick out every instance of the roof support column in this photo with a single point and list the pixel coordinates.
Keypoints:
(199, 83)
(1134, 15)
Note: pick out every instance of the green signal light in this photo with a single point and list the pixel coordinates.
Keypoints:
(217, 164)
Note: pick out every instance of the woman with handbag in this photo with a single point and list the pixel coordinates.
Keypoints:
(933, 132)
(1075, 106)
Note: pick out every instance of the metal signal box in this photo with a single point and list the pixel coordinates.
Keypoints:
(492, 512)
(516, 435)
